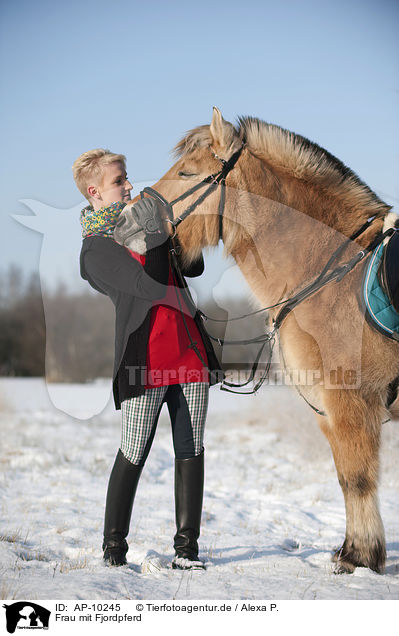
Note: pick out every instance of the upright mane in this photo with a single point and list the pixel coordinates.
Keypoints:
(199, 137)
(297, 157)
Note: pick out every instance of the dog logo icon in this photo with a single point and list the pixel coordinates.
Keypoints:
(26, 615)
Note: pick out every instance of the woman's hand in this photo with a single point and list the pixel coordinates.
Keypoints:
(140, 226)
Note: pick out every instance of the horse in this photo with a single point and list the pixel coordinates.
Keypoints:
(289, 204)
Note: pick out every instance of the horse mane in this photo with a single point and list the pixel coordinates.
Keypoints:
(199, 137)
(297, 157)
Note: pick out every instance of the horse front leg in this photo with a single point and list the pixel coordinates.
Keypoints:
(353, 429)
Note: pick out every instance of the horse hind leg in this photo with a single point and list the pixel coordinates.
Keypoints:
(353, 429)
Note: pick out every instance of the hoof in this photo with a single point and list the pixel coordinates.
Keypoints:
(343, 567)
(348, 558)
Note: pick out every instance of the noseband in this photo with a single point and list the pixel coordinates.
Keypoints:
(214, 180)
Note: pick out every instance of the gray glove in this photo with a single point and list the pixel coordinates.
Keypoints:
(140, 227)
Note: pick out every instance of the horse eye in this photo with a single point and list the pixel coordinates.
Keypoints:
(186, 175)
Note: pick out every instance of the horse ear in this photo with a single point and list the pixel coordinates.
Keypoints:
(223, 133)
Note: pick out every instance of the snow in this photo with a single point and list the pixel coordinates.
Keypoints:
(273, 509)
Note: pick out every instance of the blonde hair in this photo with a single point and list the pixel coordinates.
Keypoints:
(89, 168)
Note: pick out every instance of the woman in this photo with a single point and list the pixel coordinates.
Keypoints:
(155, 360)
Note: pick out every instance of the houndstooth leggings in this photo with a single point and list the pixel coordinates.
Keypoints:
(187, 405)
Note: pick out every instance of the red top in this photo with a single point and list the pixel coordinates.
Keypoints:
(169, 358)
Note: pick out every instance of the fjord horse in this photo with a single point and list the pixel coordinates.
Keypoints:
(289, 204)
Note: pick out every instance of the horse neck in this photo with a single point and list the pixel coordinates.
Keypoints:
(288, 229)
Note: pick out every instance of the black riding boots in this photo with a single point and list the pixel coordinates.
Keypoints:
(118, 509)
(189, 488)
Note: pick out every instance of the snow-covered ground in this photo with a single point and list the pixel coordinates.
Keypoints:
(273, 509)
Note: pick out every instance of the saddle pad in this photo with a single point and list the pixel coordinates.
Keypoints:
(379, 310)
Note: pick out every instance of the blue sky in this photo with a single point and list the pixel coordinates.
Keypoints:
(134, 76)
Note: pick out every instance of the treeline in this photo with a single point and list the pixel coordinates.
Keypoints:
(69, 336)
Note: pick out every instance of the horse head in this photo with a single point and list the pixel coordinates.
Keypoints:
(201, 153)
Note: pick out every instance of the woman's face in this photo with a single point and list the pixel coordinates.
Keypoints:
(115, 186)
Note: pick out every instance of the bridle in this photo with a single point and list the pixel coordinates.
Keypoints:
(213, 181)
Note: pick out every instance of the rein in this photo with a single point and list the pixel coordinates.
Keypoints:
(326, 276)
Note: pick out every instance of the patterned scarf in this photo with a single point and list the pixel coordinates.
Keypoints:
(102, 222)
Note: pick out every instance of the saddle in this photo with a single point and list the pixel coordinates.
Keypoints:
(388, 271)
(381, 288)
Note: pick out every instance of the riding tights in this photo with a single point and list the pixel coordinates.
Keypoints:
(187, 405)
